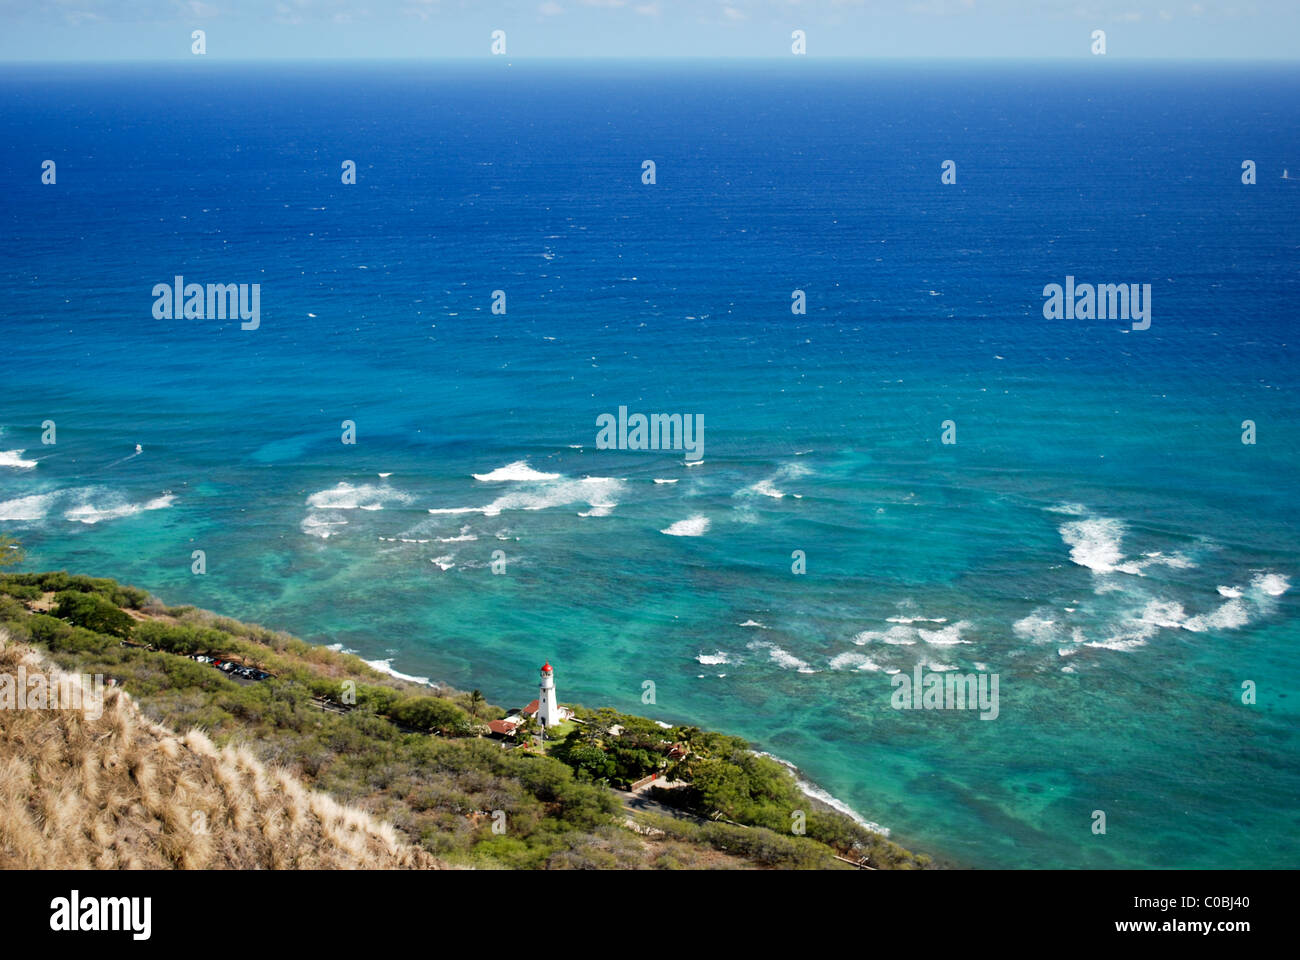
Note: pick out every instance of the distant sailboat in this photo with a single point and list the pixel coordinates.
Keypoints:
(139, 449)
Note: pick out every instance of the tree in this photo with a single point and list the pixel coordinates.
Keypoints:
(475, 698)
(431, 713)
(11, 552)
(93, 612)
(592, 760)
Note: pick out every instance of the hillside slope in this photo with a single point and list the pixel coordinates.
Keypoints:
(81, 788)
(419, 758)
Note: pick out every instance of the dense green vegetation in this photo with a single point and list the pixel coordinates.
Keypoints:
(418, 757)
(620, 760)
(725, 780)
(93, 612)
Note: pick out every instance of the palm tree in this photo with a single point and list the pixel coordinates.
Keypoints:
(475, 698)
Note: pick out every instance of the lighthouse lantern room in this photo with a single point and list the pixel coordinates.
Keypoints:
(548, 711)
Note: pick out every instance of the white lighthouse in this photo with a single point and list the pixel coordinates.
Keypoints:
(548, 711)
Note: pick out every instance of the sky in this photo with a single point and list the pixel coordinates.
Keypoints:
(71, 30)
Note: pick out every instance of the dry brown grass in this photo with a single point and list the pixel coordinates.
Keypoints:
(119, 791)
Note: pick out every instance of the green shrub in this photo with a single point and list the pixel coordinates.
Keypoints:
(430, 713)
(93, 612)
(182, 639)
(22, 591)
(46, 629)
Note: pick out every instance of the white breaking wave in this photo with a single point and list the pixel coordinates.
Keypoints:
(319, 527)
(601, 493)
(1230, 616)
(817, 793)
(782, 657)
(519, 471)
(113, 507)
(445, 563)
(768, 487)
(33, 507)
(1037, 627)
(1126, 641)
(660, 480)
(753, 623)
(1095, 543)
(1164, 613)
(1273, 584)
(386, 666)
(1136, 628)
(325, 505)
(345, 496)
(852, 658)
(695, 526)
(712, 659)
(1175, 560)
(896, 636)
(947, 637)
(14, 458)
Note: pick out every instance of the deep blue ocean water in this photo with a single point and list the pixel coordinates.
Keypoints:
(1098, 536)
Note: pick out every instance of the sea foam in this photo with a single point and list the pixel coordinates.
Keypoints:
(782, 657)
(112, 506)
(29, 508)
(14, 459)
(695, 526)
(516, 472)
(1095, 543)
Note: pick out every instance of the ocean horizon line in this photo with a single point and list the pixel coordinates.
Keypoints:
(801, 63)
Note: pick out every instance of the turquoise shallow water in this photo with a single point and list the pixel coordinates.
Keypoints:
(1098, 536)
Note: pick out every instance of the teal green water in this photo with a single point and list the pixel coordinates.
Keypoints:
(1099, 537)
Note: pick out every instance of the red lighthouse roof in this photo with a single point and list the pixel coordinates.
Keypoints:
(546, 668)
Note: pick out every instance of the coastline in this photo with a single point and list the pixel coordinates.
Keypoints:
(195, 669)
(810, 788)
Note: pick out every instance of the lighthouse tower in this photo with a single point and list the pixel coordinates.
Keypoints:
(548, 711)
